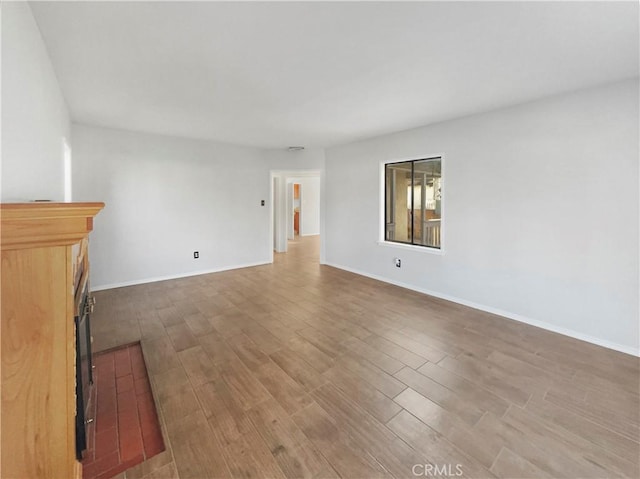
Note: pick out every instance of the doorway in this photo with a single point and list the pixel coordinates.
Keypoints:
(296, 211)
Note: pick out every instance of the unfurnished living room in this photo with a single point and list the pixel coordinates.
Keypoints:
(320, 240)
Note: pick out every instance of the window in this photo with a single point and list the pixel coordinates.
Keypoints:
(413, 202)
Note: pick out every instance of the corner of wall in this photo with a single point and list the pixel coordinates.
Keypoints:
(35, 115)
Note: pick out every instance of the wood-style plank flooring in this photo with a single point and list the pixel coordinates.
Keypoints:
(300, 370)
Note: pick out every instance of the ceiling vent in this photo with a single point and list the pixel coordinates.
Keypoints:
(295, 148)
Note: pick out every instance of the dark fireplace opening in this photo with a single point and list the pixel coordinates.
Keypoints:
(84, 369)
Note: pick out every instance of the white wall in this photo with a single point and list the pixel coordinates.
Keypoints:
(525, 236)
(280, 214)
(166, 198)
(34, 114)
(292, 161)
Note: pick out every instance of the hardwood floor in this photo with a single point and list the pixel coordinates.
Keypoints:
(300, 370)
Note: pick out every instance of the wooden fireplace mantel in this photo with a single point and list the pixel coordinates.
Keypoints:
(30, 225)
(41, 244)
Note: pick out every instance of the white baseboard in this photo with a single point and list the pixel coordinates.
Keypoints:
(176, 276)
(489, 309)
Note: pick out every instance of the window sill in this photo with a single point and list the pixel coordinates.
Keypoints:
(411, 247)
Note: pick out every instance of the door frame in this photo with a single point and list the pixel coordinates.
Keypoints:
(279, 211)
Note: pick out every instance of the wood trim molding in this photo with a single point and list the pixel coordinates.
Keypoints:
(34, 225)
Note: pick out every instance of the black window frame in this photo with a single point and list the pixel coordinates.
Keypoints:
(412, 241)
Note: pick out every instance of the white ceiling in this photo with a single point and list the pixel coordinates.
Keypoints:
(319, 74)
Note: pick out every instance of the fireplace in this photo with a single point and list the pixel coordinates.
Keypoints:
(84, 366)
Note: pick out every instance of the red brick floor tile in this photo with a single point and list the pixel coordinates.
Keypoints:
(127, 418)
(141, 385)
(97, 467)
(123, 362)
(104, 362)
(146, 407)
(139, 372)
(126, 430)
(148, 422)
(127, 401)
(107, 398)
(121, 467)
(152, 439)
(156, 446)
(104, 379)
(145, 400)
(107, 410)
(124, 383)
(137, 360)
(106, 419)
(106, 442)
(131, 442)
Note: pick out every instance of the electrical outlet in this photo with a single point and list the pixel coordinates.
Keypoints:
(398, 262)
(196, 254)
(261, 202)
